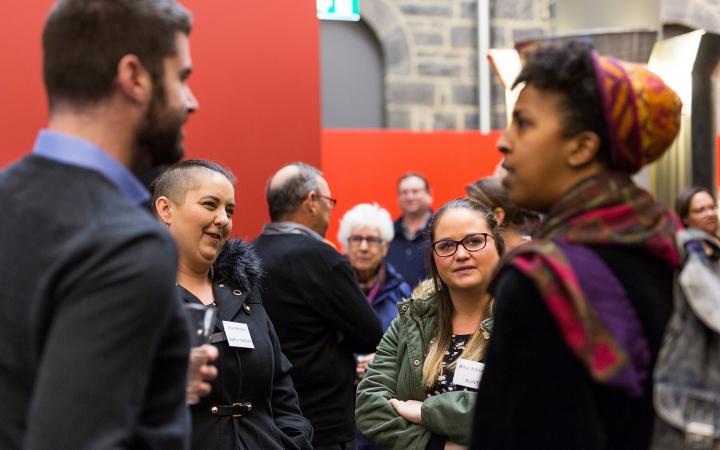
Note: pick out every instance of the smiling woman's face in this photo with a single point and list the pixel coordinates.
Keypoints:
(202, 222)
(465, 269)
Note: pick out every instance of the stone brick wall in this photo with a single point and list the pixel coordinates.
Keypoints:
(431, 57)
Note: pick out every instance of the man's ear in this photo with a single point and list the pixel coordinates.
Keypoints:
(133, 79)
(164, 210)
(583, 149)
(310, 203)
(499, 215)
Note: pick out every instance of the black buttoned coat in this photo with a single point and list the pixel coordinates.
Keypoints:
(258, 377)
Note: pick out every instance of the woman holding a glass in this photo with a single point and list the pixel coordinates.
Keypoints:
(253, 403)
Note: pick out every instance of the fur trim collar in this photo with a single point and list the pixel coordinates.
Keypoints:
(238, 265)
(424, 290)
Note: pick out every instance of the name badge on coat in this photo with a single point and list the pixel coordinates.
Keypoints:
(238, 334)
(468, 373)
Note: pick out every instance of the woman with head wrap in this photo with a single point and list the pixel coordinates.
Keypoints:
(580, 311)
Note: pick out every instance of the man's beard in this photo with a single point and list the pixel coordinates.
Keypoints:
(159, 139)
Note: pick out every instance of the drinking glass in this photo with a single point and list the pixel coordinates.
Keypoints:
(201, 320)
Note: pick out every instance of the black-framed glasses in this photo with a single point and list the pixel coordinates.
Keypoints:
(333, 201)
(356, 240)
(472, 243)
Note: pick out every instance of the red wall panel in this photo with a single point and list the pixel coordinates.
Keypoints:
(257, 80)
(364, 165)
(23, 105)
(256, 76)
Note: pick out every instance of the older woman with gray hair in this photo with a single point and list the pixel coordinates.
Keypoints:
(365, 234)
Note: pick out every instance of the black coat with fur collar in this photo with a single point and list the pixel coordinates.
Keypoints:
(256, 376)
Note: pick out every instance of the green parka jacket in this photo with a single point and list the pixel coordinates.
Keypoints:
(396, 372)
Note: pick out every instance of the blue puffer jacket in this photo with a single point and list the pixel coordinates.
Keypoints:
(391, 293)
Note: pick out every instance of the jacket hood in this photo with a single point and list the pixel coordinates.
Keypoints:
(238, 265)
(421, 302)
(424, 290)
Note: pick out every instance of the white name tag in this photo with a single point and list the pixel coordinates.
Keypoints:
(468, 373)
(238, 334)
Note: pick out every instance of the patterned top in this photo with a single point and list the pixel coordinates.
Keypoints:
(444, 380)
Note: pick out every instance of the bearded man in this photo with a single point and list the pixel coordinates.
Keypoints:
(93, 342)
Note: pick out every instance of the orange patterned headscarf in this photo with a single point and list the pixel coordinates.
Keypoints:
(642, 113)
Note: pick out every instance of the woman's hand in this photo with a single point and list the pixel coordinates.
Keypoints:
(409, 410)
(200, 373)
(453, 446)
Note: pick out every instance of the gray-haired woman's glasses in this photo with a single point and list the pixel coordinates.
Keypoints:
(472, 243)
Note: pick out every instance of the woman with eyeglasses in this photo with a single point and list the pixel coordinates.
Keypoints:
(697, 208)
(420, 389)
(365, 234)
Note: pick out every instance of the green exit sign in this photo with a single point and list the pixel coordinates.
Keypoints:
(338, 9)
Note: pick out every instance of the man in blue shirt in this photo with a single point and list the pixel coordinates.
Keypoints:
(93, 342)
(408, 249)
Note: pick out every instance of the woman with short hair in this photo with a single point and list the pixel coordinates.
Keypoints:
(253, 403)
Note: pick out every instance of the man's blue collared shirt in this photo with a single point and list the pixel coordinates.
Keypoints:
(74, 151)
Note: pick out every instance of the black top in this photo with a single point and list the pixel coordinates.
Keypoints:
(536, 394)
(444, 383)
(321, 318)
(409, 257)
(258, 377)
(93, 343)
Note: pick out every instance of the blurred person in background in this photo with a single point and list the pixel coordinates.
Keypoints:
(365, 233)
(253, 403)
(419, 391)
(516, 224)
(580, 311)
(697, 208)
(311, 295)
(409, 245)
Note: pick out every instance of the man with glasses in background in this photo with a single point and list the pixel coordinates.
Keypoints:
(314, 302)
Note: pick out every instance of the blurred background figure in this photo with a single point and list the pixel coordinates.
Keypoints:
(516, 224)
(409, 246)
(697, 208)
(365, 234)
(314, 301)
(420, 389)
(253, 403)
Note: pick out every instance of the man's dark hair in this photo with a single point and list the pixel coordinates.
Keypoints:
(84, 40)
(407, 175)
(286, 199)
(566, 68)
(179, 178)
